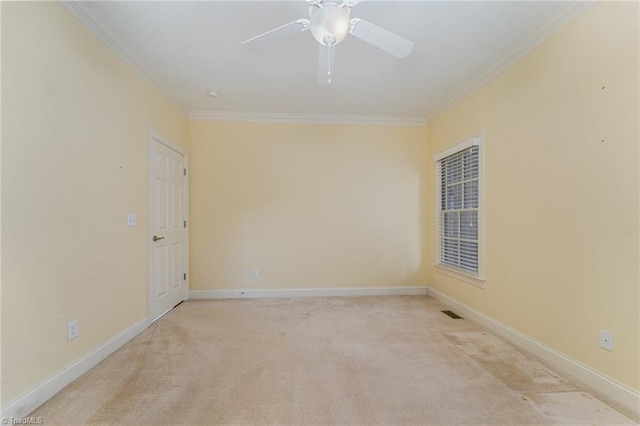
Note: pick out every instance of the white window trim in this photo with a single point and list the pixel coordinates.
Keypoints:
(477, 280)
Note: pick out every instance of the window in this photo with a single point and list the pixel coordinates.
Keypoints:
(459, 208)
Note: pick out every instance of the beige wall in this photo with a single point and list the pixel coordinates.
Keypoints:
(74, 146)
(562, 191)
(307, 205)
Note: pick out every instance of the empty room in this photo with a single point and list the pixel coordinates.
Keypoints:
(320, 212)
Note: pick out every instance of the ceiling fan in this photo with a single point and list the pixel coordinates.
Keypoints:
(329, 22)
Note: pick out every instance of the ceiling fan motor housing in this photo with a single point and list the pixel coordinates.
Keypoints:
(330, 23)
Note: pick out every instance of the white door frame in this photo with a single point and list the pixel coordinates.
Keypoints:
(154, 137)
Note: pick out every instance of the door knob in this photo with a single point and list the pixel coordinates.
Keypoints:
(156, 238)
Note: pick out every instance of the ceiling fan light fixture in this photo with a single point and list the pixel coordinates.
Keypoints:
(330, 24)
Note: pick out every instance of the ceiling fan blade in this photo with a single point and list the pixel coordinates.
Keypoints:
(285, 30)
(349, 3)
(381, 38)
(325, 64)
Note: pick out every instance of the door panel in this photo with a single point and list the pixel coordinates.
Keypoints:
(176, 267)
(162, 265)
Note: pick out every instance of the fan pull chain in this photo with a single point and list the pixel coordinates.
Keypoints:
(329, 71)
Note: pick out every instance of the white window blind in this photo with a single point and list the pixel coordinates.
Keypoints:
(459, 209)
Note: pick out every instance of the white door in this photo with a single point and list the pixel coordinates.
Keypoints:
(168, 238)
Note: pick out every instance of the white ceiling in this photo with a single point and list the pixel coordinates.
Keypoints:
(188, 48)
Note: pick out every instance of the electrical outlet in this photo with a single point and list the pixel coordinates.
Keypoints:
(254, 273)
(606, 340)
(72, 330)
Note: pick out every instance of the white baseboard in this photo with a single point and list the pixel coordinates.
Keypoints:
(308, 292)
(33, 398)
(610, 388)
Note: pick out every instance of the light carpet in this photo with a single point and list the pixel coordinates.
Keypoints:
(320, 361)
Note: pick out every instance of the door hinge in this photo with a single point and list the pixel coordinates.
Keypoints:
(185, 276)
(185, 223)
(185, 172)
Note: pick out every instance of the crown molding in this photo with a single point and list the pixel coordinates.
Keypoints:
(82, 11)
(561, 19)
(263, 117)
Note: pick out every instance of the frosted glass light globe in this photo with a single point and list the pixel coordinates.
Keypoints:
(330, 24)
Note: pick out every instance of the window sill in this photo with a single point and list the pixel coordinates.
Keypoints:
(454, 273)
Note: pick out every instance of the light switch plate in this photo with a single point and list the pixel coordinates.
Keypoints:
(132, 219)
